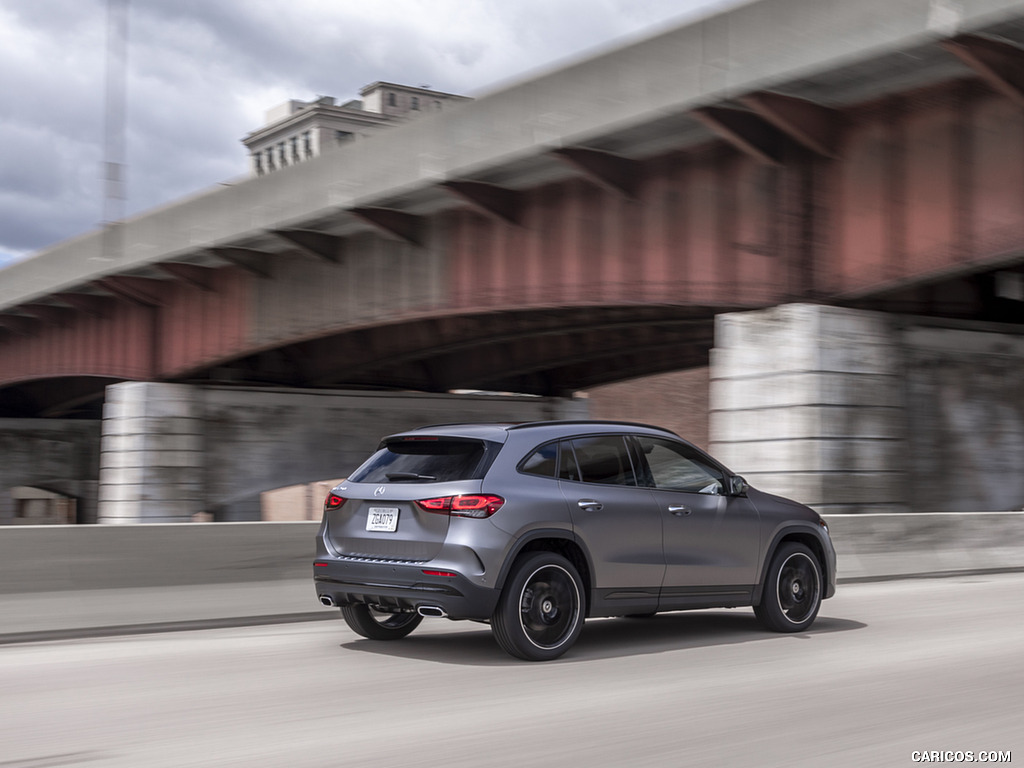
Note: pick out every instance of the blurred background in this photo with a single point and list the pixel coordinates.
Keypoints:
(801, 256)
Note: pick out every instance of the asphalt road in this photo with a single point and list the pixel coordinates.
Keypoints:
(889, 668)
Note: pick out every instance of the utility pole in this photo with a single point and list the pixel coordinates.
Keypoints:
(114, 128)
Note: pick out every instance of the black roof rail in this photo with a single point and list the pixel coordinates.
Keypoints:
(609, 422)
(458, 424)
(511, 425)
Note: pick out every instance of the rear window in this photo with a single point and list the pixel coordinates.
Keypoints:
(426, 461)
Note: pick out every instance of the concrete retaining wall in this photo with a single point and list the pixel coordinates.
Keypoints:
(57, 580)
(68, 580)
(171, 452)
(58, 455)
(966, 419)
(891, 546)
(69, 558)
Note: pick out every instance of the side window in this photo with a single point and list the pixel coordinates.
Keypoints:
(542, 461)
(677, 467)
(604, 460)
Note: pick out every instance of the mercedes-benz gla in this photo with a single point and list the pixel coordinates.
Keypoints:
(536, 527)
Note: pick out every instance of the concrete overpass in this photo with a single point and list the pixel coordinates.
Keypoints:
(589, 225)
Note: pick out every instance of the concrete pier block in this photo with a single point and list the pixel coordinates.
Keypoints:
(151, 462)
(807, 401)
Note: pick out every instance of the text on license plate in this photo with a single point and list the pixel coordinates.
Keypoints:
(382, 519)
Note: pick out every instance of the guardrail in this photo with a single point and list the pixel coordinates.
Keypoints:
(60, 581)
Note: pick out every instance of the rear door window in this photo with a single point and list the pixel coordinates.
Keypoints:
(602, 459)
(425, 461)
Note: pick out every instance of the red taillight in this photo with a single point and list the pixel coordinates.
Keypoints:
(467, 505)
(333, 501)
(477, 505)
(449, 574)
(440, 504)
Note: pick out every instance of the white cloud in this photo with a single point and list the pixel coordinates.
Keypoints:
(201, 73)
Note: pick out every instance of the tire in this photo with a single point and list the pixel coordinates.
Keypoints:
(366, 622)
(540, 612)
(792, 590)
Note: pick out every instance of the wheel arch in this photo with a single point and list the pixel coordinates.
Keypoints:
(801, 535)
(552, 540)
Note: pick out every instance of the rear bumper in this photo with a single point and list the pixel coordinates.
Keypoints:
(402, 587)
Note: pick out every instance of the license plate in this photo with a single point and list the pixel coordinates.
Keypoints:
(382, 519)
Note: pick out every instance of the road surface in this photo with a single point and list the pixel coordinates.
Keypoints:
(888, 669)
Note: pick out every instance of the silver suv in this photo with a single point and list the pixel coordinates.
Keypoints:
(535, 527)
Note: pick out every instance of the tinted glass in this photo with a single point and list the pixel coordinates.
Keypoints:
(677, 467)
(603, 460)
(542, 461)
(423, 461)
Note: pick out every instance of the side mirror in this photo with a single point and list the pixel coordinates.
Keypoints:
(738, 486)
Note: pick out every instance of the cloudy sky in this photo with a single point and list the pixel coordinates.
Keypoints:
(201, 73)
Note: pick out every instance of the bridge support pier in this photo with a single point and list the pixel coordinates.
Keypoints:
(807, 402)
(151, 454)
(855, 411)
(176, 452)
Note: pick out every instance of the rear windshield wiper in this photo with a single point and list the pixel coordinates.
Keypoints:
(408, 476)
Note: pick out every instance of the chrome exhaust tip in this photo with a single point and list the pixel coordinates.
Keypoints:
(432, 610)
(327, 600)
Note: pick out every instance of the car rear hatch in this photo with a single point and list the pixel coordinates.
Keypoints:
(392, 508)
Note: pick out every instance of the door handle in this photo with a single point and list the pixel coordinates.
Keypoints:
(590, 505)
(679, 510)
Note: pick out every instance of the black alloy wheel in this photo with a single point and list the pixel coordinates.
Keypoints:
(792, 590)
(540, 612)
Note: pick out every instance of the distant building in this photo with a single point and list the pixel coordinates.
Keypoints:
(298, 130)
